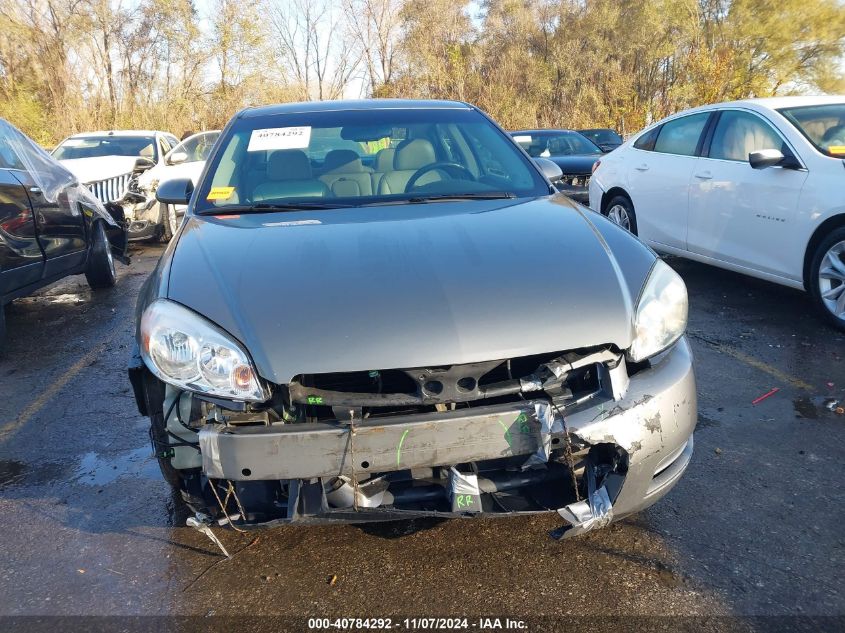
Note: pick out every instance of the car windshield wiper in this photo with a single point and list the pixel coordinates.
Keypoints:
(276, 207)
(477, 195)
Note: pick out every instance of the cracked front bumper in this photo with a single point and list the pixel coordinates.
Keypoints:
(650, 427)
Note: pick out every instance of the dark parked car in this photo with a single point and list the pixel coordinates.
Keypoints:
(572, 152)
(442, 335)
(50, 225)
(605, 138)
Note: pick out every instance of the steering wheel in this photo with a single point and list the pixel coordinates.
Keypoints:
(450, 168)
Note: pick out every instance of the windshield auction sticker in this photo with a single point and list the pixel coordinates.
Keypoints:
(279, 138)
(220, 193)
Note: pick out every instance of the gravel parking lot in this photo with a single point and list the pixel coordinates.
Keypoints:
(754, 528)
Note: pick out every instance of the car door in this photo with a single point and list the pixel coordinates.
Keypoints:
(738, 214)
(58, 219)
(21, 258)
(659, 178)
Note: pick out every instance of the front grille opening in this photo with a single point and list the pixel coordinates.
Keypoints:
(380, 393)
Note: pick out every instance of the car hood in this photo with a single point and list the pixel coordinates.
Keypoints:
(409, 285)
(577, 165)
(99, 167)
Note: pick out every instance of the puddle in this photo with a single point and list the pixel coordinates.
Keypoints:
(14, 473)
(11, 472)
(98, 470)
(813, 408)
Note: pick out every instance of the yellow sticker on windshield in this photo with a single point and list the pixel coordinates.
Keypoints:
(836, 149)
(220, 193)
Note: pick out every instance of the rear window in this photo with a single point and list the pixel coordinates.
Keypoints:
(822, 125)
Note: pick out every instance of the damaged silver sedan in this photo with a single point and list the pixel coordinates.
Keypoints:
(382, 309)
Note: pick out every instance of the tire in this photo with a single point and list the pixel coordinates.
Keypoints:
(826, 282)
(169, 222)
(100, 271)
(620, 211)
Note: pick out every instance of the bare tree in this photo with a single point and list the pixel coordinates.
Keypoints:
(375, 27)
(311, 35)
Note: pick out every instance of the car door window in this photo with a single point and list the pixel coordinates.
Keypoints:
(738, 133)
(8, 158)
(647, 140)
(681, 136)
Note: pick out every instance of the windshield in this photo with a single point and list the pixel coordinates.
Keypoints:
(360, 157)
(545, 144)
(197, 147)
(602, 136)
(823, 125)
(112, 145)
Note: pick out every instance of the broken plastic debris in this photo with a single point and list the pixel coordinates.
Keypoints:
(595, 512)
(199, 523)
(549, 423)
(765, 395)
(717, 450)
(333, 580)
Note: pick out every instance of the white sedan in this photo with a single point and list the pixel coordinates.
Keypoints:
(187, 160)
(754, 186)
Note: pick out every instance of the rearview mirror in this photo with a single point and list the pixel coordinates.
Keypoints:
(176, 157)
(550, 169)
(772, 158)
(176, 191)
(143, 164)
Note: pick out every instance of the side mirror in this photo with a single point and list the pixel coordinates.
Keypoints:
(550, 169)
(143, 164)
(176, 157)
(176, 191)
(772, 158)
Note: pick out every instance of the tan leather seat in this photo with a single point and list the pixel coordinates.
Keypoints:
(383, 164)
(289, 175)
(410, 156)
(345, 174)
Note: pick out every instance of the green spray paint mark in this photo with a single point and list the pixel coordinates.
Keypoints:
(315, 400)
(507, 433)
(399, 448)
(464, 501)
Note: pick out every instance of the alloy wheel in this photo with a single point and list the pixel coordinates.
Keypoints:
(832, 280)
(619, 215)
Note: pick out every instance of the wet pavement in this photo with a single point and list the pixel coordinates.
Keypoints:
(754, 528)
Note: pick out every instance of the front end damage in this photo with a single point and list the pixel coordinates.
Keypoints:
(582, 433)
(140, 207)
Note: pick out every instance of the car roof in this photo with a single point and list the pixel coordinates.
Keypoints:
(118, 133)
(766, 103)
(352, 104)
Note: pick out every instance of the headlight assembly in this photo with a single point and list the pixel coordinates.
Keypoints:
(186, 350)
(661, 314)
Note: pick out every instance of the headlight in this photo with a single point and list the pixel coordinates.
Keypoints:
(661, 315)
(184, 349)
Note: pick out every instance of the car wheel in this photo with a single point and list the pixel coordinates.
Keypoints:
(169, 222)
(827, 277)
(620, 211)
(100, 271)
